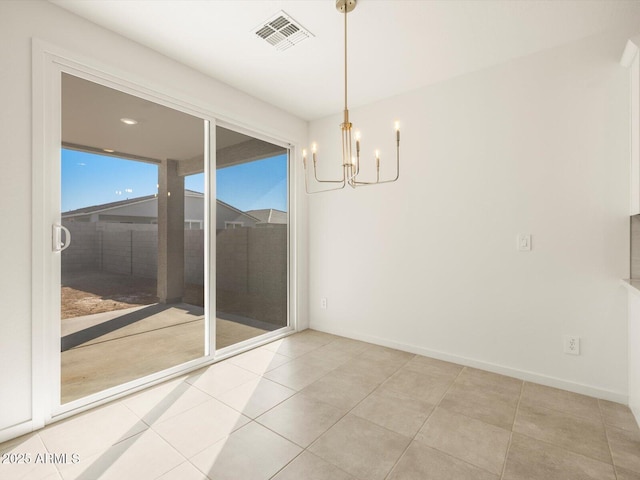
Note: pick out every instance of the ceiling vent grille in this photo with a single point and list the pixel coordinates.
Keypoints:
(281, 31)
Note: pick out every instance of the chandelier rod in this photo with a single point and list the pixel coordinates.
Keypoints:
(345, 58)
(350, 163)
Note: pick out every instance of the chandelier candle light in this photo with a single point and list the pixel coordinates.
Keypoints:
(350, 163)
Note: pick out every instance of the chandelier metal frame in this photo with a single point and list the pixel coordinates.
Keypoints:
(350, 162)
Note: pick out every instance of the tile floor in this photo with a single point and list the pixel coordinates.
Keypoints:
(315, 406)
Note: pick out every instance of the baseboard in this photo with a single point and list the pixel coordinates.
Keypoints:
(9, 433)
(470, 362)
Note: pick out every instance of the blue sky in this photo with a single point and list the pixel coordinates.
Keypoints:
(91, 179)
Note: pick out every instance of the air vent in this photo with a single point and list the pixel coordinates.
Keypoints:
(281, 31)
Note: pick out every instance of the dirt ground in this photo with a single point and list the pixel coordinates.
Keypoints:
(86, 293)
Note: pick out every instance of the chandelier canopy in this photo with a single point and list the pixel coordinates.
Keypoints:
(350, 162)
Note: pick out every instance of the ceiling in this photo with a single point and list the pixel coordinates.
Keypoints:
(394, 45)
(91, 121)
(91, 116)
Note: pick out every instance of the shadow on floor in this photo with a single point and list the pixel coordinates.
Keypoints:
(91, 333)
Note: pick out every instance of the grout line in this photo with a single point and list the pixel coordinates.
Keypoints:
(353, 408)
(95, 468)
(175, 449)
(304, 449)
(566, 450)
(457, 460)
(556, 446)
(569, 415)
(47, 450)
(436, 405)
(513, 424)
(289, 462)
(350, 357)
(297, 392)
(353, 357)
(606, 434)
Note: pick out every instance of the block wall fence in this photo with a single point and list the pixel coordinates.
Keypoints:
(251, 263)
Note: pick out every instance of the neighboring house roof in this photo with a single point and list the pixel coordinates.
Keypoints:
(105, 207)
(269, 215)
(220, 202)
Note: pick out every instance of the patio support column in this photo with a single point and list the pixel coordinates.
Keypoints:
(170, 233)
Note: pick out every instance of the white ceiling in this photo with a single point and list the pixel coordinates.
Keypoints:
(394, 45)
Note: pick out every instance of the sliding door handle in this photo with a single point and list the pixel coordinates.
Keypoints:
(56, 235)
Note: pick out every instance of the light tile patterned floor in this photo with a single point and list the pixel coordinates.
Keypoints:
(315, 406)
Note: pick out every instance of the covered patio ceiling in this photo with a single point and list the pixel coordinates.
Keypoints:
(91, 122)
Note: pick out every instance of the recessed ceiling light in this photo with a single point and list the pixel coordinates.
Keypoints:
(128, 121)
(108, 150)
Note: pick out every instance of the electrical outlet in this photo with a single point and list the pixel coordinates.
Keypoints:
(323, 302)
(571, 345)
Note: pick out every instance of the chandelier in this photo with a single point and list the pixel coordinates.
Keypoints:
(350, 162)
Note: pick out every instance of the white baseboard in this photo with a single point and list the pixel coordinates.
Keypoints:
(15, 431)
(533, 377)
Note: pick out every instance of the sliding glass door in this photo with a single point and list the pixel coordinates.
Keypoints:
(251, 237)
(132, 234)
(151, 274)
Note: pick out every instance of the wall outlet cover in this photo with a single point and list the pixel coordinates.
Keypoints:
(571, 344)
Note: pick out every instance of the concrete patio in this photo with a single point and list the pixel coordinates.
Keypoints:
(107, 349)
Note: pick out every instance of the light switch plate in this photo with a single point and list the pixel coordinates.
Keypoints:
(524, 242)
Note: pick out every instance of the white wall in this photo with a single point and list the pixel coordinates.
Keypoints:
(538, 145)
(19, 22)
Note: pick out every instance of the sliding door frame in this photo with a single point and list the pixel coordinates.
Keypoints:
(234, 349)
(48, 64)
